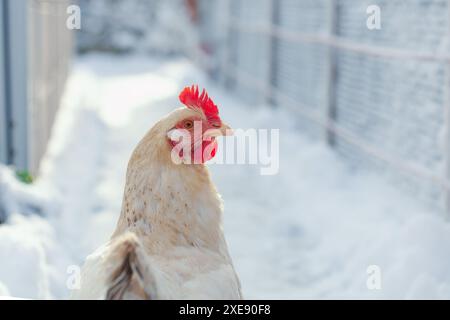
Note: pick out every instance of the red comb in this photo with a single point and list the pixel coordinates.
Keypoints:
(191, 98)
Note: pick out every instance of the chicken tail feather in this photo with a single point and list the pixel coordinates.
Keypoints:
(131, 279)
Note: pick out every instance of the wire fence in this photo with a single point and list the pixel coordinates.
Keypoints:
(380, 98)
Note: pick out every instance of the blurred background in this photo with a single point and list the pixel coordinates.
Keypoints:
(359, 89)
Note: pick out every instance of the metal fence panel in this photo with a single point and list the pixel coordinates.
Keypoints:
(50, 47)
(16, 51)
(301, 71)
(382, 96)
(252, 51)
(3, 121)
(396, 105)
(35, 51)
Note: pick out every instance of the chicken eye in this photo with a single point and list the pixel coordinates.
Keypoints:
(188, 124)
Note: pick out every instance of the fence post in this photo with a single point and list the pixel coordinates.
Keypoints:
(15, 14)
(330, 90)
(3, 116)
(447, 122)
(274, 16)
(447, 137)
(227, 49)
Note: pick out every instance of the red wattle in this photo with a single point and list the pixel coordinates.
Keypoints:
(209, 150)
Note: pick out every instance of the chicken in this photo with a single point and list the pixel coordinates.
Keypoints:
(168, 243)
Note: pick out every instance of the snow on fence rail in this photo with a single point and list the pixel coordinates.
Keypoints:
(381, 98)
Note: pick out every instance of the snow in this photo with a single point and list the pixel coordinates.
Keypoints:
(310, 231)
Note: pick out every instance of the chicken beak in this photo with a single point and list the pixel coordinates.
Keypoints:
(226, 130)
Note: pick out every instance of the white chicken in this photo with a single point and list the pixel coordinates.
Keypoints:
(168, 243)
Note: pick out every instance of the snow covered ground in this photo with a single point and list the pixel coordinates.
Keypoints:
(311, 231)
